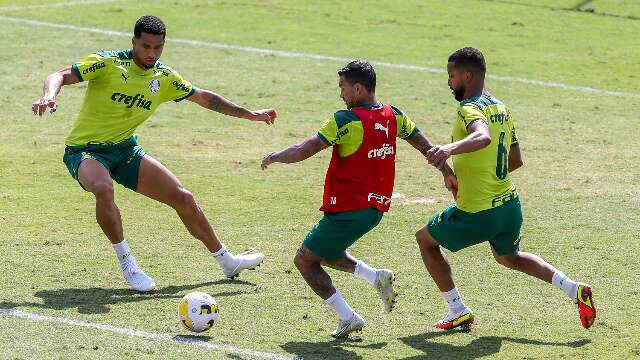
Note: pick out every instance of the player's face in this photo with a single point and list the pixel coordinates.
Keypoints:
(348, 92)
(456, 81)
(147, 49)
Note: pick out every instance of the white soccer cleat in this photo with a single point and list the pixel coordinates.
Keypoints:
(346, 327)
(384, 286)
(244, 261)
(138, 280)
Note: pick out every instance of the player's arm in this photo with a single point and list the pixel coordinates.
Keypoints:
(212, 101)
(295, 153)
(52, 85)
(515, 158)
(478, 137)
(422, 143)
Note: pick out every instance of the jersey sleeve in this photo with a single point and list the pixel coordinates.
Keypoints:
(90, 68)
(329, 132)
(514, 136)
(178, 88)
(467, 114)
(405, 128)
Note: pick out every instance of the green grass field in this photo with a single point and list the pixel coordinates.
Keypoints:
(580, 185)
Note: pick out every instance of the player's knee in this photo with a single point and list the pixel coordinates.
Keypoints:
(103, 190)
(183, 199)
(508, 261)
(299, 262)
(424, 240)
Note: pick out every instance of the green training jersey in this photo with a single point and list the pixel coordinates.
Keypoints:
(121, 96)
(345, 130)
(483, 175)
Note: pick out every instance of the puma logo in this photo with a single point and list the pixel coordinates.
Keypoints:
(124, 76)
(378, 126)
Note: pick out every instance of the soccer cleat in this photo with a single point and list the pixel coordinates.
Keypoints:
(586, 306)
(462, 319)
(245, 261)
(384, 286)
(346, 327)
(138, 280)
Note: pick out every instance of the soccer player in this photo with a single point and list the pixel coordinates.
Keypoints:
(485, 151)
(357, 189)
(125, 88)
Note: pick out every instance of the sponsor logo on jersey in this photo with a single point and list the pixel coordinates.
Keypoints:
(382, 152)
(501, 118)
(125, 77)
(181, 87)
(381, 199)
(136, 100)
(93, 68)
(154, 86)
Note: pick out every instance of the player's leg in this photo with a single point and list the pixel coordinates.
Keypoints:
(435, 261)
(335, 233)
(505, 250)
(381, 279)
(94, 177)
(159, 183)
(309, 266)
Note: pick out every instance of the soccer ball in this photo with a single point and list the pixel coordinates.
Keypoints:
(198, 311)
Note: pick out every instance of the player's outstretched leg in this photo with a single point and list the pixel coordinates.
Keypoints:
(157, 182)
(381, 279)
(311, 270)
(535, 266)
(95, 178)
(459, 314)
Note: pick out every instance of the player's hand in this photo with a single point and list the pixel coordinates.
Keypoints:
(40, 106)
(451, 183)
(268, 160)
(438, 155)
(267, 116)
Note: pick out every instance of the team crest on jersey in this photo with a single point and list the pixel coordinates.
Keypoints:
(154, 86)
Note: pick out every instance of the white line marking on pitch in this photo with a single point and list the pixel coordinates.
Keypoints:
(323, 57)
(141, 334)
(55, 5)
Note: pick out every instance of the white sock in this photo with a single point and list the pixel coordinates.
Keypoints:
(454, 300)
(122, 250)
(366, 272)
(224, 257)
(562, 282)
(345, 312)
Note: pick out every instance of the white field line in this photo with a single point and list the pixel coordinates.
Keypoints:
(513, 79)
(141, 334)
(55, 5)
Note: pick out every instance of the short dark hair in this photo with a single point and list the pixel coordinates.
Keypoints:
(151, 25)
(468, 56)
(360, 71)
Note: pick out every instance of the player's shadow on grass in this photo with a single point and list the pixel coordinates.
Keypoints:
(336, 349)
(478, 347)
(97, 300)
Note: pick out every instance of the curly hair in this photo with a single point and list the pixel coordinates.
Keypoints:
(149, 24)
(468, 56)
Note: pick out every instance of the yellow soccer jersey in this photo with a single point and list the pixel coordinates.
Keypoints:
(121, 96)
(344, 129)
(483, 175)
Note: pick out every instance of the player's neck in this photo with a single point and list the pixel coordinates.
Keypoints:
(369, 100)
(473, 91)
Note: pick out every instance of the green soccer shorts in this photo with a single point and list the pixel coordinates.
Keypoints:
(337, 231)
(121, 159)
(455, 229)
